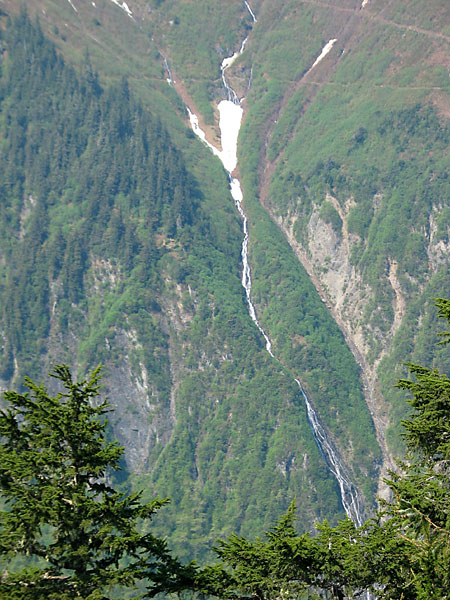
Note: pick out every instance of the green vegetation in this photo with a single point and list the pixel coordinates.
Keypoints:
(396, 228)
(311, 346)
(413, 341)
(137, 252)
(402, 553)
(198, 36)
(368, 127)
(306, 338)
(330, 215)
(61, 510)
(119, 240)
(89, 179)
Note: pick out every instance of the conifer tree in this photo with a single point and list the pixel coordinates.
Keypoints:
(421, 505)
(83, 536)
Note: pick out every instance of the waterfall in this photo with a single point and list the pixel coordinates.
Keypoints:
(169, 78)
(230, 111)
(236, 192)
(350, 496)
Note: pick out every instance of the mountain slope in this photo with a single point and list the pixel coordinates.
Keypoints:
(355, 173)
(345, 149)
(121, 244)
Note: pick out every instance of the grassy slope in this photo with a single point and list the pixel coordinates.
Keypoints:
(277, 60)
(386, 80)
(241, 447)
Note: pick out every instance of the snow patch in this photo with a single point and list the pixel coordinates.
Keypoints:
(324, 52)
(227, 62)
(124, 6)
(364, 3)
(193, 119)
(73, 6)
(229, 124)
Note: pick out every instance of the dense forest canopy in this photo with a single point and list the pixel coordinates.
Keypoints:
(86, 173)
(55, 470)
(120, 242)
(116, 248)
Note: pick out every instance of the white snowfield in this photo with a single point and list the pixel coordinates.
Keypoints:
(124, 6)
(364, 3)
(324, 52)
(229, 124)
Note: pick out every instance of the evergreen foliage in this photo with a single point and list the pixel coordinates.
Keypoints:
(138, 264)
(85, 191)
(61, 509)
(400, 554)
(85, 173)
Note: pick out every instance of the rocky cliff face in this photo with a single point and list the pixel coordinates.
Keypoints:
(326, 256)
(348, 171)
(326, 253)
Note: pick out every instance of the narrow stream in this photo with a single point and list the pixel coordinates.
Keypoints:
(230, 111)
(350, 497)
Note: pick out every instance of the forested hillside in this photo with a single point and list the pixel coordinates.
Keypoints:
(121, 244)
(116, 250)
(347, 156)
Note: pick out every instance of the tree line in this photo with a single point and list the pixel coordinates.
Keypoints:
(83, 538)
(85, 173)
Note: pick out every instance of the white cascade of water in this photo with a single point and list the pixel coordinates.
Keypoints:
(230, 112)
(169, 78)
(350, 496)
(236, 192)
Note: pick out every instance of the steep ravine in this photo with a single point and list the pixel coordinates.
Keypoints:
(230, 112)
(345, 307)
